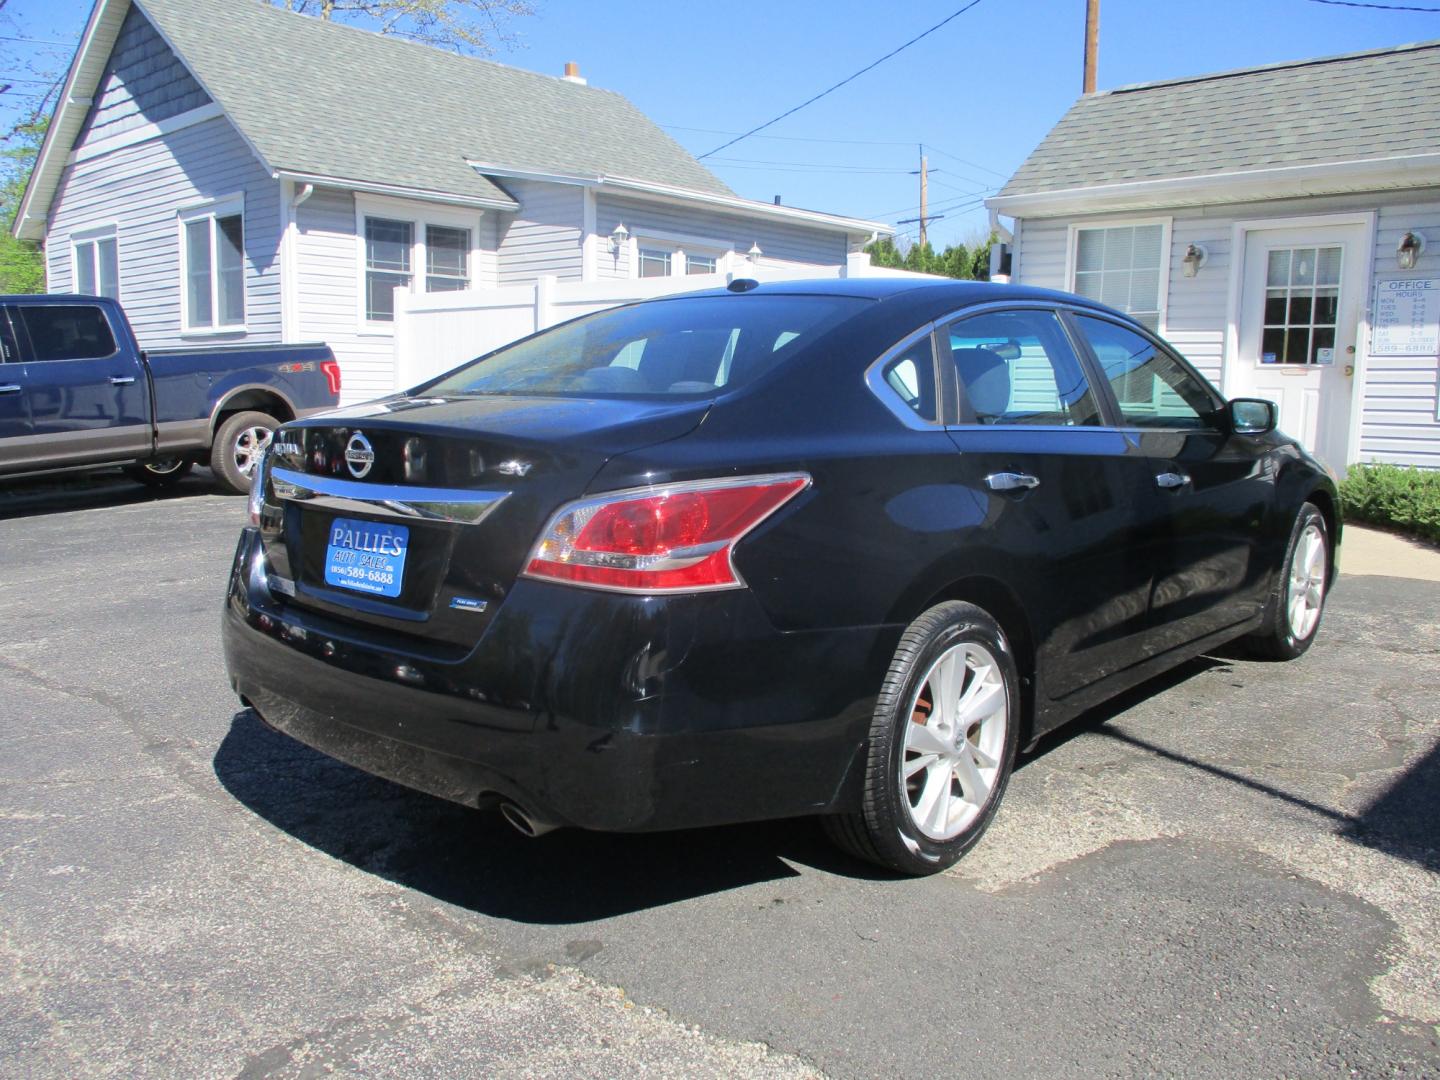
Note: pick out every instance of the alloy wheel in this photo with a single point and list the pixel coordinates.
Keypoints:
(1305, 593)
(249, 444)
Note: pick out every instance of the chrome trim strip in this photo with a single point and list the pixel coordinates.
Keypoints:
(459, 505)
(875, 380)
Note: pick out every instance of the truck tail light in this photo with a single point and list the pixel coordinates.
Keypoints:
(331, 368)
(667, 539)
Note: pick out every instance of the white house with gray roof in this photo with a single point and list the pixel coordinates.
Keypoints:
(234, 172)
(1280, 225)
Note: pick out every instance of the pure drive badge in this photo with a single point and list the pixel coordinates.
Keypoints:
(359, 455)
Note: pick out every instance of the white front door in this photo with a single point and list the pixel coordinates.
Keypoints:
(1300, 298)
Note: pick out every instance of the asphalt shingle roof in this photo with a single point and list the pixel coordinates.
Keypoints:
(1376, 104)
(333, 100)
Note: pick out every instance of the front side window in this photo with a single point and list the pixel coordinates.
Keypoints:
(1017, 367)
(691, 346)
(97, 267)
(65, 331)
(1151, 387)
(1121, 267)
(212, 253)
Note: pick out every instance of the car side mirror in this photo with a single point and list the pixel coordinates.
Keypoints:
(1253, 416)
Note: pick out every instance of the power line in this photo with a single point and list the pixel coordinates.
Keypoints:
(848, 79)
(1377, 7)
(792, 138)
(963, 161)
(807, 166)
(38, 41)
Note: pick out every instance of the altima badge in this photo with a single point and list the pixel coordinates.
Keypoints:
(359, 455)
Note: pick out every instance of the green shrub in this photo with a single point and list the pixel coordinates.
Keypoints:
(1407, 499)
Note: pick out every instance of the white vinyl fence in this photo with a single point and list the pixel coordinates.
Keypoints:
(434, 332)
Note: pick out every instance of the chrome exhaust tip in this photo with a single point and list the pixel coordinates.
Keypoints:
(524, 824)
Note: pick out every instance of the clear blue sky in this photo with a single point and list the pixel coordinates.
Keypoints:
(984, 89)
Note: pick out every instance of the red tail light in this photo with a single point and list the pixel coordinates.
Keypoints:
(675, 538)
(331, 368)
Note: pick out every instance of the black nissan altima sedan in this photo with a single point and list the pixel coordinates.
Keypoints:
(835, 548)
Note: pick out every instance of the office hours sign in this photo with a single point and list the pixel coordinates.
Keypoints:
(1407, 318)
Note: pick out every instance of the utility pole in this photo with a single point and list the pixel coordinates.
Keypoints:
(924, 194)
(1092, 42)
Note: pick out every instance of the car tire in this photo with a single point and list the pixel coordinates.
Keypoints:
(933, 779)
(1296, 603)
(161, 472)
(237, 447)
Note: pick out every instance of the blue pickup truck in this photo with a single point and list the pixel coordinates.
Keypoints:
(78, 392)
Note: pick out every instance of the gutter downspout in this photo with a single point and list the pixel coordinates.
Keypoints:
(290, 267)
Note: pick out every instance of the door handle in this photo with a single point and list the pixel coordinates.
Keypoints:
(1171, 480)
(121, 380)
(1010, 481)
(11, 389)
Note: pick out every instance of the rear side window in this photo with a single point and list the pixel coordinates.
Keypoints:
(911, 377)
(691, 346)
(65, 331)
(1017, 367)
(1151, 387)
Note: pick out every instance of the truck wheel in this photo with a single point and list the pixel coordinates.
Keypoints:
(238, 445)
(160, 472)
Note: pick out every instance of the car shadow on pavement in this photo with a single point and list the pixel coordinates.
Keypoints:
(476, 861)
(93, 491)
(1403, 821)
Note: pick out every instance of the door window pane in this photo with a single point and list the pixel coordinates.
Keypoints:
(387, 265)
(1151, 387)
(197, 272)
(447, 259)
(230, 257)
(1121, 268)
(1302, 297)
(66, 331)
(1017, 367)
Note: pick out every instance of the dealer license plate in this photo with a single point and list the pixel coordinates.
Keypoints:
(366, 556)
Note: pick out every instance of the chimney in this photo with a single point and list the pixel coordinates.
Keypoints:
(572, 73)
(777, 200)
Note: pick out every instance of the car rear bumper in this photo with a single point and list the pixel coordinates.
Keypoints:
(585, 708)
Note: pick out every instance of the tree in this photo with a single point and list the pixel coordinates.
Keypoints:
(966, 262)
(22, 266)
(467, 26)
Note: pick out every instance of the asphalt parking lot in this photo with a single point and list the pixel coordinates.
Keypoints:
(1232, 872)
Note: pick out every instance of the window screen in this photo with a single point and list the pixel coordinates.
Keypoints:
(1017, 367)
(1121, 267)
(447, 259)
(66, 331)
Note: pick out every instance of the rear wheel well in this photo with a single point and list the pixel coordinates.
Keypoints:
(263, 401)
(1326, 505)
(1001, 602)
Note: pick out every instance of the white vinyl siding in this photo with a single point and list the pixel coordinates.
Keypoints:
(544, 236)
(1397, 410)
(140, 189)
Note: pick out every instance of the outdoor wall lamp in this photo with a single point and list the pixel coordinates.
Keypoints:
(1194, 258)
(754, 254)
(618, 238)
(1408, 250)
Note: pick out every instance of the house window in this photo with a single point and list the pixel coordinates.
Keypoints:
(447, 259)
(676, 256)
(212, 268)
(97, 265)
(654, 263)
(410, 246)
(1302, 304)
(387, 265)
(1122, 266)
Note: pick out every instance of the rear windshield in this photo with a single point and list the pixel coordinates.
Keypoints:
(693, 346)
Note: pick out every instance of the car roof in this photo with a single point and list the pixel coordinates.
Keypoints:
(941, 290)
